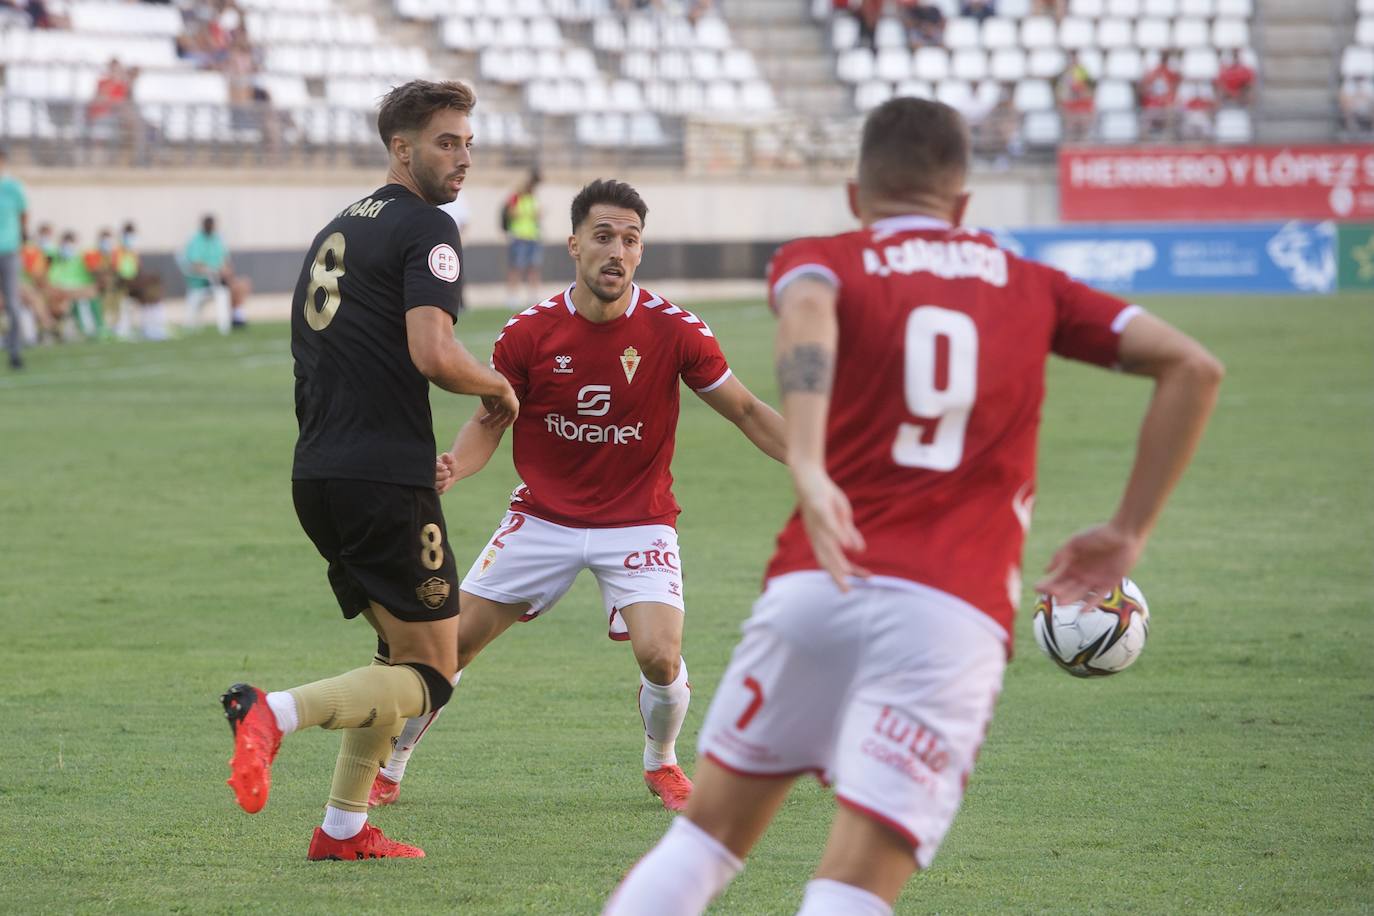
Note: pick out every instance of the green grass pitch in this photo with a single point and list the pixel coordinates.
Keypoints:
(151, 557)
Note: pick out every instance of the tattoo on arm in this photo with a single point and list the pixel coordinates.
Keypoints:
(805, 368)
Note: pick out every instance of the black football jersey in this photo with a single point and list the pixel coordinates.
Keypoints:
(362, 406)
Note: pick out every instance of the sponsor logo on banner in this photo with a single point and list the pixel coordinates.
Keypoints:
(1307, 254)
(629, 361)
(1107, 263)
(1218, 184)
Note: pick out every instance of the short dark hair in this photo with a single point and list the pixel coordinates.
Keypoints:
(607, 191)
(410, 106)
(913, 146)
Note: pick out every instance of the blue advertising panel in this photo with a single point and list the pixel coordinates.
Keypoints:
(1205, 258)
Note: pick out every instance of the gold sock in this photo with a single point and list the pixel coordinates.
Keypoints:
(363, 752)
(373, 696)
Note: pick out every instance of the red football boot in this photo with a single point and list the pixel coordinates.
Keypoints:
(369, 843)
(256, 739)
(671, 785)
(384, 792)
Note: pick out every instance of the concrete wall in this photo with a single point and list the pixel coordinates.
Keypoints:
(697, 227)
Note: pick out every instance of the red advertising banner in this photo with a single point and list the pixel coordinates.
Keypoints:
(1104, 184)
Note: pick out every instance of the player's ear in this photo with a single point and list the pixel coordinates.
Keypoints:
(851, 189)
(572, 247)
(400, 147)
(956, 216)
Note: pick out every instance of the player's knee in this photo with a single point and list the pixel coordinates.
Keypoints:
(660, 664)
(440, 688)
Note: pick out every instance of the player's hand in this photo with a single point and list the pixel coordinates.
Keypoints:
(444, 475)
(829, 522)
(1091, 564)
(502, 409)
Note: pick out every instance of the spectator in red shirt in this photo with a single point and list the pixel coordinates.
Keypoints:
(1197, 107)
(924, 22)
(1158, 90)
(110, 93)
(1235, 82)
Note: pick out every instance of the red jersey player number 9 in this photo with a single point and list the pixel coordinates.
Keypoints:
(940, 383)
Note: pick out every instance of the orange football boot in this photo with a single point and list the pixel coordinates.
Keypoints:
(369, 843)
(256, 740)
(671, 785)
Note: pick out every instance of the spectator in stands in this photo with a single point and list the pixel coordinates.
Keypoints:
(70, 282)
(1055, 8)
(924, 22)
(699, 8)
(39, 16)
(520, 219)
(205, 263)
(240, 64)
(1357, 105)
(1158, 92)
(1196, 110)
(867, 12)
(978, 9)
(1074, 91)
(631, 6)
(111, 92)
(14, 214)
(1235, 81)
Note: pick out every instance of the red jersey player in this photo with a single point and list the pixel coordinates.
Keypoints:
(596, 368)
(911, 357)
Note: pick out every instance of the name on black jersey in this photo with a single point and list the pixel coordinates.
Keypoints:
(365, 207)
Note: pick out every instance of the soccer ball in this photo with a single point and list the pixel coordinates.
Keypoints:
(1095, 641)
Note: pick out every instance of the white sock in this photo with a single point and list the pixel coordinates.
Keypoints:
(832, 898)
(341, 824)
(678, 877)
(663, 710)
(411, 733)
(283, 706)
(154, 322)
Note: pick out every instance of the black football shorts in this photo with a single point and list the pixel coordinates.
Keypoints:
(384, 542)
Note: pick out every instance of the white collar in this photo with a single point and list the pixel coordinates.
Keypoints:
(906, 223)
(572, 309)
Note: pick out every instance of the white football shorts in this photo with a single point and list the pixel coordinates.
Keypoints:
(531, 560)
(884, 692)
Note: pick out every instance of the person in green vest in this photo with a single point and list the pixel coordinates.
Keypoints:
(69, 278)
(520, 219)
(205, 262)
(14, 206)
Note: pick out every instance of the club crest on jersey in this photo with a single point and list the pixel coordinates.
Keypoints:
(564, 365)
(432, 592)
(487, 560)
(629, 361)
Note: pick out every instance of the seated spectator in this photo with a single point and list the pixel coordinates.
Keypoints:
(699, 8)
(1197, 109)
(978, 9)
(1357, 104)
(924, 21)
(111, 92)
(1158, 92)
(205, 263)
(71, 283)
(143, 286)
(1054, 8)
(1235, 81)
(1073, 89)
(34, 291)
(100, 265)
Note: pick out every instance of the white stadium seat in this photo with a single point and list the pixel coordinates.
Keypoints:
(1230, 33)
(1123, 64)
(1190, 33)
(893, 65)
(957, 94)
(757, 96)
(1014, 9)
(871, 94)
(1118, 127)
(1114, 33)
(1160, 9)
(855, 65)
(1046, 63)
(1007, 65)
(1091, 60)
(646, 131)
(637, 65)
(969, 64)
(1357, 61)
(1087, 9)
(1123, 9)
(608, 34)
(1153, 34)
(890, 34)
(999, 32)
(915, 89)
(1075, 34)
(676, 32)
(203, 86)
(712, 32)
(1233, 126)
(125, 18)
(1038, 32)
(1199, 64)
(705, 64)
(1364, 31)
(1114, 95)
(844, 33)
(1033, 95)
(1366, 7)
(1041, 128)
(962, 33)
(627, 96)
(722, 97)
(285, 91)
(580, 63)
(674, 65)
(1196, 9)
(738, 64)
(930, 64)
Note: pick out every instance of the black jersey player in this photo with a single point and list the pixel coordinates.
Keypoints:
(371, 328)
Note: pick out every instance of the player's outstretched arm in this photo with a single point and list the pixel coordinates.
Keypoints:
(447, 363)
(760, 423)
(805, 353)
(472, 448)
(1186, 381)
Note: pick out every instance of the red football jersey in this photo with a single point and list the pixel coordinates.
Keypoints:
(939, 375)
(599, 405)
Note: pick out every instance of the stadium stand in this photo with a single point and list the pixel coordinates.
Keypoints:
(779, 80)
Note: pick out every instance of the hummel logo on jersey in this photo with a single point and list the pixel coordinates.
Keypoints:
(564, 364)
(594, 400)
